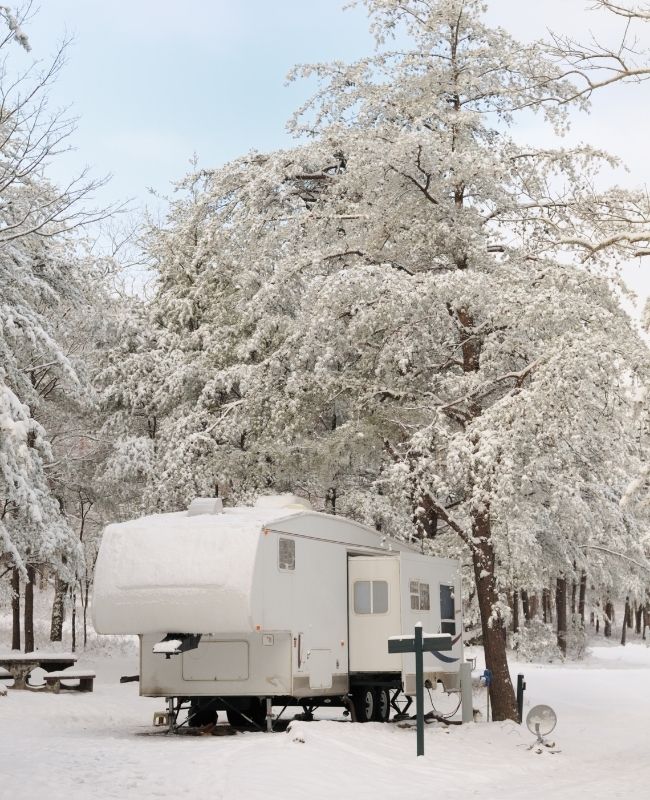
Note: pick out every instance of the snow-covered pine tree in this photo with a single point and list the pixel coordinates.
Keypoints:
(41, 278)
(411, 316)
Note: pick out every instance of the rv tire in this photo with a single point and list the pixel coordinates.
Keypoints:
(382, 705)
(202, 713)
(364, 703)
(254, 709)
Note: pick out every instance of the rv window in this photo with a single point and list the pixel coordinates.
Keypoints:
(362, 600)
(414, 587)
(370, 597)
(379, 597)
(447, 610)
(286, 553)
(419, 596)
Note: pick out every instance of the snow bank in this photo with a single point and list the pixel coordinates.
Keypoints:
(173, 573)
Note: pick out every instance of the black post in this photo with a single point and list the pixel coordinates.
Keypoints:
(521, 686)
(419, 688)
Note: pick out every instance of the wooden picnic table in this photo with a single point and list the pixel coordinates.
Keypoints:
(19, 665)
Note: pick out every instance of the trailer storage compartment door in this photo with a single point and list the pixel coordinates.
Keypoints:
(374, 612)
(217, 661)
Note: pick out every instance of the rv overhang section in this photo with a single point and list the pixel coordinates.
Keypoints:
(174, 572)
(201, 574)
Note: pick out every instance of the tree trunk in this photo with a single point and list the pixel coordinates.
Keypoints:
(560, 605)
(515, 611)
(534, 606)
(574, 591)
(628, 611)
(502, 695)
(546, 605)
(525, 604)
(29, 610)
(609, 617)
(638, 618)
(74, 622)
(582, 597)
(58, 610)
(626, 620)
(15, 609)
(85, 598)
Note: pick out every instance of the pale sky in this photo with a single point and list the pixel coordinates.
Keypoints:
(153, 81)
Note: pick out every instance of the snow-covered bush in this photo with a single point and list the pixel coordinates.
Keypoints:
(536, 641)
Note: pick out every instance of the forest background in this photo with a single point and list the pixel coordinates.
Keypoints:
(413, 315)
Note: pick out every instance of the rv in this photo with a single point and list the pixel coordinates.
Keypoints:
(242, 609)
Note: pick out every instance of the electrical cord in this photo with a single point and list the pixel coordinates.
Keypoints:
(444, 716)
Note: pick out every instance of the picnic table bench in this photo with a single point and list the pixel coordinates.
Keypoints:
(19, 666)
(85, 680)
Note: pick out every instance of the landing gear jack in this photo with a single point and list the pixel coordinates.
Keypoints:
(400, 712)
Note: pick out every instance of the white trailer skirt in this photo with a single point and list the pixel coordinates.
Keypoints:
(257, 664)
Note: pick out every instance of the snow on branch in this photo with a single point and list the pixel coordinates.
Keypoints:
(607, 550)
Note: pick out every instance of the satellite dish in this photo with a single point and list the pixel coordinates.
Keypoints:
(541, 720)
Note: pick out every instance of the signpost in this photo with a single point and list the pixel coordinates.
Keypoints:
(418, 644)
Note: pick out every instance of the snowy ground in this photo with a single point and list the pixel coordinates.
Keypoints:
(73, 746)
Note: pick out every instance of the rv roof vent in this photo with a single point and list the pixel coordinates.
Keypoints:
(281, 501)
(205, 505)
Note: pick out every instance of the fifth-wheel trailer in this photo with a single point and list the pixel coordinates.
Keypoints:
(240, 609)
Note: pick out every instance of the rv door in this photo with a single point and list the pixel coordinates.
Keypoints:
(374, 612)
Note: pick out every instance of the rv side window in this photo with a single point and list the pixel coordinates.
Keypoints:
(370, 597)
(286, 554)
(447, 610)
(362, 598)
(420, 596)
(379, 597)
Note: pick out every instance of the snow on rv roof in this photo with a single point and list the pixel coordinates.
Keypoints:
(181, 548)
(166, 569)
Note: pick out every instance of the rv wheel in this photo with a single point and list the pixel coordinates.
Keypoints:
(382, 705)
(364, 703)
(202, 713)
(254, 709)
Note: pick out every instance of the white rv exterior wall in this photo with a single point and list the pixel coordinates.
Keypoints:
(433, 571)
(311, 603)
(266, 631)
(267, 672)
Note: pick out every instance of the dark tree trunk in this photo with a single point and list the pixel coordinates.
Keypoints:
(58, 610)
(626, 620)
(560, 605)
(525, 604)
(546, 605)
(15, 609)
(582, 597)
(330, 500)
(609, 618)
(85, 596)
(515, 611)
(502, 695)
(74, 623)
(638, 619)
(29, 610)
(574, 591)
(534, 606)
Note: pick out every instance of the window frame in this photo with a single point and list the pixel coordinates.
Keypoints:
(372, 611)
(282, 566)
(418, 595)
(449, 622)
